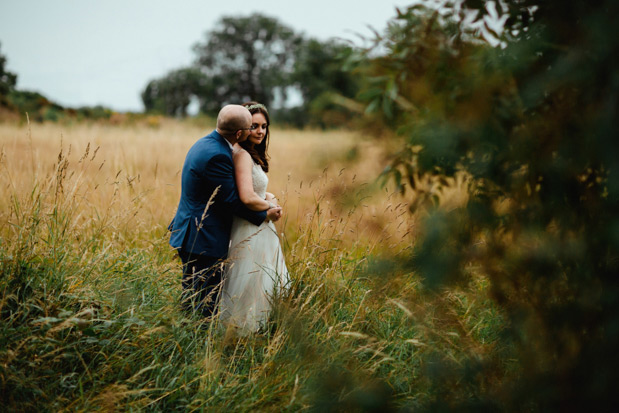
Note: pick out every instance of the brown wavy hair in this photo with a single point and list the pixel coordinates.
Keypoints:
(258, 152)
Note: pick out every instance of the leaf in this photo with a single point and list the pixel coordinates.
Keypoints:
(388, 108)
(392, 89)
(46, 320)
(89, 332)
(370, 94)
(373, 106)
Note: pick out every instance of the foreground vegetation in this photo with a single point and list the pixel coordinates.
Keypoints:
(490, 285)
(89, 287)
(531, 122)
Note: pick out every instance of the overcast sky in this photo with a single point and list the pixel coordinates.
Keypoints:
(86, 52)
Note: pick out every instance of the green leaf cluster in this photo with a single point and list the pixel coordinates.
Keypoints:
(531, 124)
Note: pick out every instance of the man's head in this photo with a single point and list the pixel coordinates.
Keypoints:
(233, 122)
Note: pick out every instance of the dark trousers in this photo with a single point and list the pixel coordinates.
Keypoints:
(201, 283)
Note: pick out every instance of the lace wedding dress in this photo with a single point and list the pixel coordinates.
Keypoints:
(256, 270)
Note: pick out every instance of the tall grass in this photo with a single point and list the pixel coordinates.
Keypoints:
(89, 289)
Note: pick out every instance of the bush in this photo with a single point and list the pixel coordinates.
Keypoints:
(531, 126)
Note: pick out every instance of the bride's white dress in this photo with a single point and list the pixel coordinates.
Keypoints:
(256, 270)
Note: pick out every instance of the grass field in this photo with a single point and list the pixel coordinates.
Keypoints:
(89, 287)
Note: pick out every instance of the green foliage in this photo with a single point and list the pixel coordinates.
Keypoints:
(7, 81)
(38, 107)
(258, 58)
(41, 109)
(91, 112)
(246, 58)
(171, 95)
(321, 76)
(532, 124)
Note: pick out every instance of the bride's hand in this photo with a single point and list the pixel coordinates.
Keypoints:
(273, 214)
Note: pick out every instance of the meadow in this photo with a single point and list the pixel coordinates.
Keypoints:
(89, 288)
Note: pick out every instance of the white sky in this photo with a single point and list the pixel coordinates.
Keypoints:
(87, 52)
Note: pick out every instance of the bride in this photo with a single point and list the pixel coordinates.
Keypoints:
(256, 270)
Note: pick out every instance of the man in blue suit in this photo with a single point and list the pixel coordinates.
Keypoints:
(209, 199)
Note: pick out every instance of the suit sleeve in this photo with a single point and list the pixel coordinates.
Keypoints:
(221, 173)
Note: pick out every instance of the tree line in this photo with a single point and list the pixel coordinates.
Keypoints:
(259, 58)
(16, 103)
(255, 57)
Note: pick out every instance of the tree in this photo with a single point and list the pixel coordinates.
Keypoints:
(320, 75)
(258, 58)
(171, 94)
(533, 125)
(246, 58)
(319, 68)
(7, 81)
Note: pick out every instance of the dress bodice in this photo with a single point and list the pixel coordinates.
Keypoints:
(260, 180)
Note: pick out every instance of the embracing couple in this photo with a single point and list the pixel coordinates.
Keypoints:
(223, 229)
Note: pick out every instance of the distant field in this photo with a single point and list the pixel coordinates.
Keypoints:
(134, 172)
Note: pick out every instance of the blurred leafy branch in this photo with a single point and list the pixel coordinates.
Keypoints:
(530, 122)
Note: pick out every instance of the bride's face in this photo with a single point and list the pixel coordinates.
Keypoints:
(258, 128)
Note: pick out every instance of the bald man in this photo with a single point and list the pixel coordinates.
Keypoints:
(209, 199)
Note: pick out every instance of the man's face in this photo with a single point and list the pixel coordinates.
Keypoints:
(244, 133)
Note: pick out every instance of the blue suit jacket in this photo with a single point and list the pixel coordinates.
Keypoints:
(208, 165)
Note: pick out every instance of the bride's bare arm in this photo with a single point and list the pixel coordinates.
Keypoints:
(244, 182)
(271, 198)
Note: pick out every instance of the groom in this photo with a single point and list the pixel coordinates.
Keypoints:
(209, 199)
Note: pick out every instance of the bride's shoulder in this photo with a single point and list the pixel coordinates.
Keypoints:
(241, 155)
(238, 151)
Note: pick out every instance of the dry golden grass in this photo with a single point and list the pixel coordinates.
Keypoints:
(131, 176)
(83, 216)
